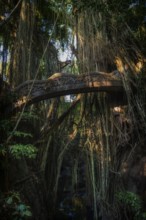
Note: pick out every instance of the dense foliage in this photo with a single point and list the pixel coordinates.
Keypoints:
(76, 157)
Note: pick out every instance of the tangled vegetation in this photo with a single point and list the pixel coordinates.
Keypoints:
(82, 156)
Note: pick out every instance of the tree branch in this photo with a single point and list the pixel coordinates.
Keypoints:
(61, 84)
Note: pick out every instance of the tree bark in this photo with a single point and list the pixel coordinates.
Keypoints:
(61, 84)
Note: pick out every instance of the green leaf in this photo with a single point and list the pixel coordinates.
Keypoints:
(3, 150)
(21, 207)
(20, 150)
(27, 213)
(9, 201)
(20, 134)
(29, 116)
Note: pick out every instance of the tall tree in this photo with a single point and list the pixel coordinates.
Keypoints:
(82, 145)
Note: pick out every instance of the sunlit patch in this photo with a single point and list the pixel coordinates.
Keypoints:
(120, 65)
(139, 66)
(118, 109)
(21, 101)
